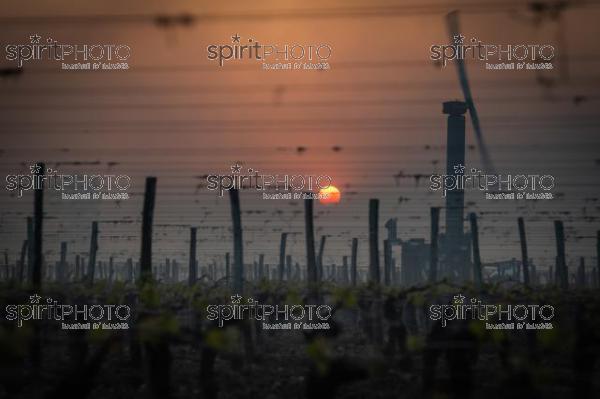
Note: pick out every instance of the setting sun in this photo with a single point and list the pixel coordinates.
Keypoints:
(331, 195)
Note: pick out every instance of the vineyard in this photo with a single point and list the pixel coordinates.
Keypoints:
(377, 338)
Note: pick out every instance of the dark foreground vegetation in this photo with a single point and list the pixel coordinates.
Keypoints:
(381, 344)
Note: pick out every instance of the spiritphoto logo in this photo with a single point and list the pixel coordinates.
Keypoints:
(519, 56)
(273, 56)
(254, 180)
(73, 56)
(502, 316)
(71, 316)
(274, 317)
(78, 186)
(524, 186)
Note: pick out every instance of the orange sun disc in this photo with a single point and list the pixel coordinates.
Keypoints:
(330, 195)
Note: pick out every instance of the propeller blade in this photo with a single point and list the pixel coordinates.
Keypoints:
(454, 30)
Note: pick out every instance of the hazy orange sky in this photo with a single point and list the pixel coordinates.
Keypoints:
(368, 52)
(177, 115)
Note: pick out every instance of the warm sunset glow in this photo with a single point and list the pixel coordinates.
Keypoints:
(333, 195)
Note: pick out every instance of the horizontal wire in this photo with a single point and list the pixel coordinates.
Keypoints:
(252, 67)
(189, 19)
(285, 88)
(295, 104)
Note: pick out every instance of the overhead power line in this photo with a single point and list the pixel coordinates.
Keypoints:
(281, 126)
(296, 104)
(266, 122)
(252, 88)
(586, 58)
(166, 20)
